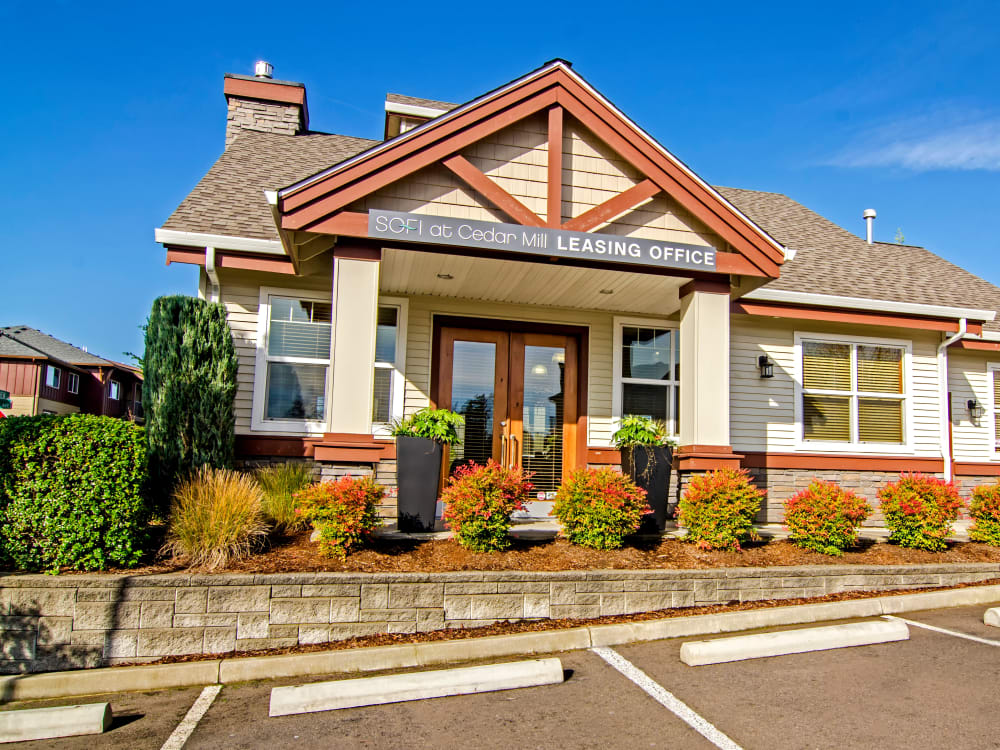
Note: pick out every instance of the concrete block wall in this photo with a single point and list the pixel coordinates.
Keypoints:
(73, 621)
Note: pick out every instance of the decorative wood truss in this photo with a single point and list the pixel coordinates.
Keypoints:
(319, 204)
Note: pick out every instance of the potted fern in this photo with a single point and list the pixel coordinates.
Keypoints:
(420, 441)
(647, 455)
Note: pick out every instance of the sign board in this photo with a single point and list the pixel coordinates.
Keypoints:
(558, 243)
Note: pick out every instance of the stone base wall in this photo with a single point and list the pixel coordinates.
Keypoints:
(72, 621)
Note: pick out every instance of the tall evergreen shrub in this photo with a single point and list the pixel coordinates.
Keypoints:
(190, 382)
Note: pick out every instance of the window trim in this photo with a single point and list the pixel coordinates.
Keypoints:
(402, 305)
(817, 446)
(992, 407)
(70, 388)
(292, 426)
(52, 369)
(619, 323)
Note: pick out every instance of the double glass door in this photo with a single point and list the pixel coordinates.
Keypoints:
(518, 394)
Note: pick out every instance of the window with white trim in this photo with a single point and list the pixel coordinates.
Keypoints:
(386, 338)
(853, 392)
(648, 375)
(994, 374)
(297, 359)
(115, 390)
(52, 376)
(72, 382)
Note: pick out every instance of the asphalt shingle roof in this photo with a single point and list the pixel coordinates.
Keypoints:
(229, 200)
(21, 341)
(418, 102)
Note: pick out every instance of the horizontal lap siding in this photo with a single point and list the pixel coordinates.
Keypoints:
(968, 379)
(418, 351)
(762, 410)
(240, 293)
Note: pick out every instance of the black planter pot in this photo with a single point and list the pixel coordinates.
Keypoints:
(418, 477)
(649, 467)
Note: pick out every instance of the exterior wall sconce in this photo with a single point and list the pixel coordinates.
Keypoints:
(976, 410)
(766, 366)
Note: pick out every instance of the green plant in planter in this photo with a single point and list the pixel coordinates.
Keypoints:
(641, 431)
(439, 425)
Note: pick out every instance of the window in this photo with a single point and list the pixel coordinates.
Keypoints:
(853, 392)
(647, 373)
(115, 390)
(993, 371)
(388, 385)
(52, 376)
(72, 382)
(297, 357)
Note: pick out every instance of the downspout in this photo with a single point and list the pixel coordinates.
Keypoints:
(943, 398)
(214, 289)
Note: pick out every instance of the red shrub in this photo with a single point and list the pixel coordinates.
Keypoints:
(478, 502)
(985, 511)
(344, 512)
(718, 509)
(824, 517)
(919, 509)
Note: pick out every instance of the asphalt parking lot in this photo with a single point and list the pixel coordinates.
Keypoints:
(935, 690)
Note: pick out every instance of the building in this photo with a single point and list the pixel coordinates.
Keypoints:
(47, 376)
(534, 259)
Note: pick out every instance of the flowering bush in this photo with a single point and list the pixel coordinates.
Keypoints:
(344, 512)
(985, 511)
(824, 518)
(718, 509)
(599, 507)
(919, 509)
(478, 502)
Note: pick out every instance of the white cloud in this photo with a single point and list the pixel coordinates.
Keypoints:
(943, 141)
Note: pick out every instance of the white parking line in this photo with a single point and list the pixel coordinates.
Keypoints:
(183, 731)
(667, 699)
(936, 629)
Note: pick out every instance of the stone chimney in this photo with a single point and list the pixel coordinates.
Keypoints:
(263, 104)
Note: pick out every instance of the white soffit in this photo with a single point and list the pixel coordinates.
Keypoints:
(764, 294)
(412, 110)
(502, 281)
(218, 241)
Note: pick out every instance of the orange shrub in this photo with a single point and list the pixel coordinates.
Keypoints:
(824, 518)
(718, 509)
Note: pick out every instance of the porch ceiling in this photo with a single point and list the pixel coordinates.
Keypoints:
(417, 273)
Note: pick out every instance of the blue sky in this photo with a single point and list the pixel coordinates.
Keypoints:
(112, 112)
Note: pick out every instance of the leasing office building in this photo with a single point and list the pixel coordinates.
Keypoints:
(536, 261)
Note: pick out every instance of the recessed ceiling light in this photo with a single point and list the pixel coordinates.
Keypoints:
(607, 291)
(445, 276)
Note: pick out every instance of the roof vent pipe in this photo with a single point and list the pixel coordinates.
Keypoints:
(869, 215)
(263, 69)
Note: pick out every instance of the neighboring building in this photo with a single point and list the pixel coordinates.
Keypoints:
(535, 260)
(47, 376)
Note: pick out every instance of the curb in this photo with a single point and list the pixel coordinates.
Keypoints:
(798, 641)
(406, 656)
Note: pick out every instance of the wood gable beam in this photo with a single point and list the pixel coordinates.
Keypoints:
(474, 178)
(613, 207)
(553, 210)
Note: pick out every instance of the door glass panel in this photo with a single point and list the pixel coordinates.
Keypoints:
(473, 382)
(542, 443)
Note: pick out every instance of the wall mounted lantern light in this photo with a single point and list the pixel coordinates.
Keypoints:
(766, 366)
(976, 410)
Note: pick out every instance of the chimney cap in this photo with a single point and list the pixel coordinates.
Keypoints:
(869, 213)
(263, 69)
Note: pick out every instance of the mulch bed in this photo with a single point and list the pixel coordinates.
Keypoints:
(510, 628)
(298, 554)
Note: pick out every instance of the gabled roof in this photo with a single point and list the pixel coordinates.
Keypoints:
(312, 204)
(24, 341)
(415, 101)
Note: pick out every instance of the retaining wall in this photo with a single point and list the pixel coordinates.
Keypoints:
(93, 620)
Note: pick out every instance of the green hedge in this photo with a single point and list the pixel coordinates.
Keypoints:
(72, 492)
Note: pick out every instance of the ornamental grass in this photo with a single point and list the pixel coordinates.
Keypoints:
(217, 516)
(279, 485)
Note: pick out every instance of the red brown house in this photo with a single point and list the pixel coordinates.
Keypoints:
(47, 376)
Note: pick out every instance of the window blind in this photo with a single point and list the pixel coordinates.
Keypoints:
(827, 418)
(880, 369)
(826, 366)
(880, 420)
(996, 409)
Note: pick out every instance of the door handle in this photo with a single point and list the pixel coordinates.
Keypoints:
(515, 458)
(503, 450)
